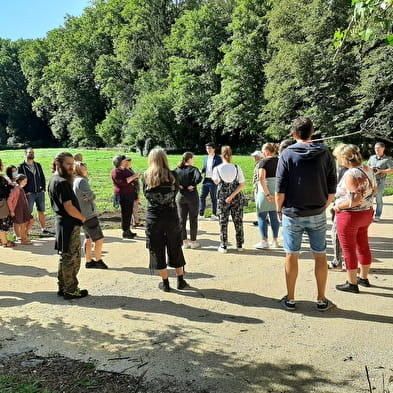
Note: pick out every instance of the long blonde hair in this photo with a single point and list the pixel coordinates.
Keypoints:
(158, 171)
(226, 153)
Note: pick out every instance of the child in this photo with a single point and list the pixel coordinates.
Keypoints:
(19, 208)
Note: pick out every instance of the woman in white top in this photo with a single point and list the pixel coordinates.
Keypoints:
(230, 181)
(354, 214)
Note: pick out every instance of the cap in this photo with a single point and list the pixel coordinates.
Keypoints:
(257, 153)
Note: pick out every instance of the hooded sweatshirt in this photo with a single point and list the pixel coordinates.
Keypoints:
(306, 174)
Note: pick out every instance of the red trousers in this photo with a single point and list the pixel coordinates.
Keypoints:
(352, 230)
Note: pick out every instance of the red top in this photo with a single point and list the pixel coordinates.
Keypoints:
(119, 178)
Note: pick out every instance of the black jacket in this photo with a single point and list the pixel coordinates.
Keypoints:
(35, 182)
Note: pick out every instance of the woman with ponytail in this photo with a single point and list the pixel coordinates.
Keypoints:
(188, 199)
(354, 214)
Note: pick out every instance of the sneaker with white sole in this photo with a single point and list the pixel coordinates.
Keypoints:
(274, 244)
(261, 245)
(325, 305)
(288, 304)
(185, 246)
(222, 249)
(240, 249)
(213, 217)
(194, 245)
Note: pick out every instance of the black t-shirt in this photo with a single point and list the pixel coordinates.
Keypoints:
(61, 191)
(269, 165)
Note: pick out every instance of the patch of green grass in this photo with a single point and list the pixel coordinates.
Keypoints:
(12, 385)
(99, 164)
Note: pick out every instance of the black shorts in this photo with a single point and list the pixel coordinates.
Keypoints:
(93, 229)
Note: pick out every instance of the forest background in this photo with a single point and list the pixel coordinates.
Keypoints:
(136, 74)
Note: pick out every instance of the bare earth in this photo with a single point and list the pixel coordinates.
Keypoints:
(228, 334)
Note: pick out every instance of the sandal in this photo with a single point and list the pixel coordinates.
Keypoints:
(9, 244)
(26, 242)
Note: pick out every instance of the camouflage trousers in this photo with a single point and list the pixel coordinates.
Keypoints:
(236, 211)
(69, 263)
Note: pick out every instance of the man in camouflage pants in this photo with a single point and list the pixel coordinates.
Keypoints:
(68, 222)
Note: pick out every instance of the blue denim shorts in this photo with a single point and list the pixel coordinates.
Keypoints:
(37, 198)
(294, 227)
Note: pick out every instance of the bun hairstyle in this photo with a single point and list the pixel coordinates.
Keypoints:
(284, 144)
(20, 178)
(226, 153)
(351, 154)
(271, 147)
(186, 156)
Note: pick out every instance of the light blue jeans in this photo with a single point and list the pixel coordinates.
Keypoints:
(379, 198)
(263, 225)
(294, 227)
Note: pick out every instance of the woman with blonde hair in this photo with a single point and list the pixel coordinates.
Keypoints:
(265, 202)
(354, 214)
(163, 235)
(188, 199)
(91, 226)
(230, 181)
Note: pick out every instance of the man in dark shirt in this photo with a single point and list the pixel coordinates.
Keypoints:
(68, 222)
(305, 187)
(35, 187)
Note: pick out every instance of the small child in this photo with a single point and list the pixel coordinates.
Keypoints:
(19, 208)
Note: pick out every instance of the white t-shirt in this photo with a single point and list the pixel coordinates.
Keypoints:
(228, 173)
(209, 167)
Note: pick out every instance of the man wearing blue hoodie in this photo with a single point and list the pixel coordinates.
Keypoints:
(305, 187)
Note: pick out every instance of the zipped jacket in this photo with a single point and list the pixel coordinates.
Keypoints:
(35, 181)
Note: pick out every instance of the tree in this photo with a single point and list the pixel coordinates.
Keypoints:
(236, 108)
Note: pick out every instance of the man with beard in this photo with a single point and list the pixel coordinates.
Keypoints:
(35, 187)
(68, 222)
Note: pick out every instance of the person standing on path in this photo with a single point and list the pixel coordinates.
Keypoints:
(382, 166)
(125, 189)
(305, 186)
(68, 222)
(230, 181)
(163, 234)
(35, 187)
(257, 156)
(208, 186)
(187, 201)
(354, 214)
(91, 226)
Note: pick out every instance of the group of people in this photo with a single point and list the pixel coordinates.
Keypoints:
(292, 190)
(22, 188)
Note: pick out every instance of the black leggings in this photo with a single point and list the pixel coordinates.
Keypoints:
(126, 207)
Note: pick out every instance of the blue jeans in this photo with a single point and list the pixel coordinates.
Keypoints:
(263, 225)
(37, 198)
(294, 227)
(208, 188)
(379, 198)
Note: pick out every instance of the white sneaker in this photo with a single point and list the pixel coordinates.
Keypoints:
(213, 217)
(222, 250)
(377, 219)
(185, 246)
(274, 244)
(261, 245)
(194, 245)
(240, 249)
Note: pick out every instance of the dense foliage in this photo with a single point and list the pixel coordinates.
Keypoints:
(181, 73)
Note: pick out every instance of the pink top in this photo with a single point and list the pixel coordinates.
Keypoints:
(13, 198)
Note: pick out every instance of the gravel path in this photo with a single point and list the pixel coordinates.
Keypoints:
(228, 334)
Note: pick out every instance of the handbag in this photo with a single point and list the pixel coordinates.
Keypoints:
(4, 210)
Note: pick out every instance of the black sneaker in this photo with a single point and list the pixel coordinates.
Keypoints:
(348, 287)
(91, 264)
(45, 232)
(182, 284)
(288, 304)
(100, 264)
(164, 287)
(325, 305)
(128, 235)
(77, 294)
(364, 282)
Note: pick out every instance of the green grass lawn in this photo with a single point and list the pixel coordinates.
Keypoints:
(100, 165)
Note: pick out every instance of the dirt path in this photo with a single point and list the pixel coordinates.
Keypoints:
(229, 334)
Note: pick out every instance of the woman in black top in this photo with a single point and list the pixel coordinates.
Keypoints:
(5, 219)
(188, 199)
(163, 235)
